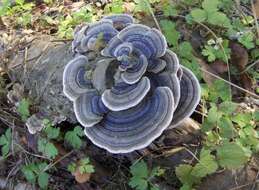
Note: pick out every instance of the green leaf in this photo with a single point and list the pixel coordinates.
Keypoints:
(207, 165)
(138, 183)
(183, 172)
(208, 52)
(170, 32)
(214, 115)
(226, 128)
(43, 180)
(71, 167)
(157, 171)
(186, 187)
(29, 174)
(23, 109)
(210, 5)
(231, 156)
(242, 119)
(219, 19)
(5, 142)
(51, 132)
(139, 169)
(142, 6)
(199, 15)
(219, 89)
(247, 39)
(47, 148)
(73, 137)
(228, 107)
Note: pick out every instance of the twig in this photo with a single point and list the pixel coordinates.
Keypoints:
(255, 17)
(230, 83)
(250, 66)
(241, 186)
(57, 161)
(153, 15)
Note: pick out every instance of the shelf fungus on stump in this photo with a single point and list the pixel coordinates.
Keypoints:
(131, 88)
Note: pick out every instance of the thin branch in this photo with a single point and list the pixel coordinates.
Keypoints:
(230, 83)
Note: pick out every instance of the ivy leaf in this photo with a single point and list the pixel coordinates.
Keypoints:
(199, 15)
(170, 32)
(73, 137)
(231, 155)
(23, 109)
(207, 165)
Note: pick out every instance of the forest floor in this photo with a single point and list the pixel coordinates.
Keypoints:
(217, 149)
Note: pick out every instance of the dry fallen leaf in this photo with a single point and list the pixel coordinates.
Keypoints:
(81, 178)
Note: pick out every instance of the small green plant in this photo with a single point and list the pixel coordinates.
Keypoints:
(45, 145)
(84, 166)
(247, 39)
(73, 137)
(34, 172)
(23, 109)
(115, 7)
(209, 12)
(67, 24)
(213, 50)
(5, 142)
(142, 178)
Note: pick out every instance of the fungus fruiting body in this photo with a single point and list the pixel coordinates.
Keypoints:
(133, 87)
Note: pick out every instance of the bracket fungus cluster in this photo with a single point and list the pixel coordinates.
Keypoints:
(126, 86)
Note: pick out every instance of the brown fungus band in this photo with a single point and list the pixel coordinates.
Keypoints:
(133, 87)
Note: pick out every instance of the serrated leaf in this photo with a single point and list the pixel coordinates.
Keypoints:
(199, 15)
(170, 32)
(231, 156)
(73, 137)
(138, 183)
(183, 172)
(228, 107)
(52, 132)
(210, 5)
(214, 115)
(29, 174)
(226, 128)
(23, 109)
(139, 169)
(219, 19)
(5, 141)
(43, 180)
(247, 39)
(242, 119)
(47, 148)
(207, 165)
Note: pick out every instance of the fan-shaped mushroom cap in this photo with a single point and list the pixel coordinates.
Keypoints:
(74, 80)
(134, 128)
(146, 41)
(134, 74)
(84, 109)
(102, 30)
(124, 96)
(190, 96)
(133, 90)
(120, 21)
